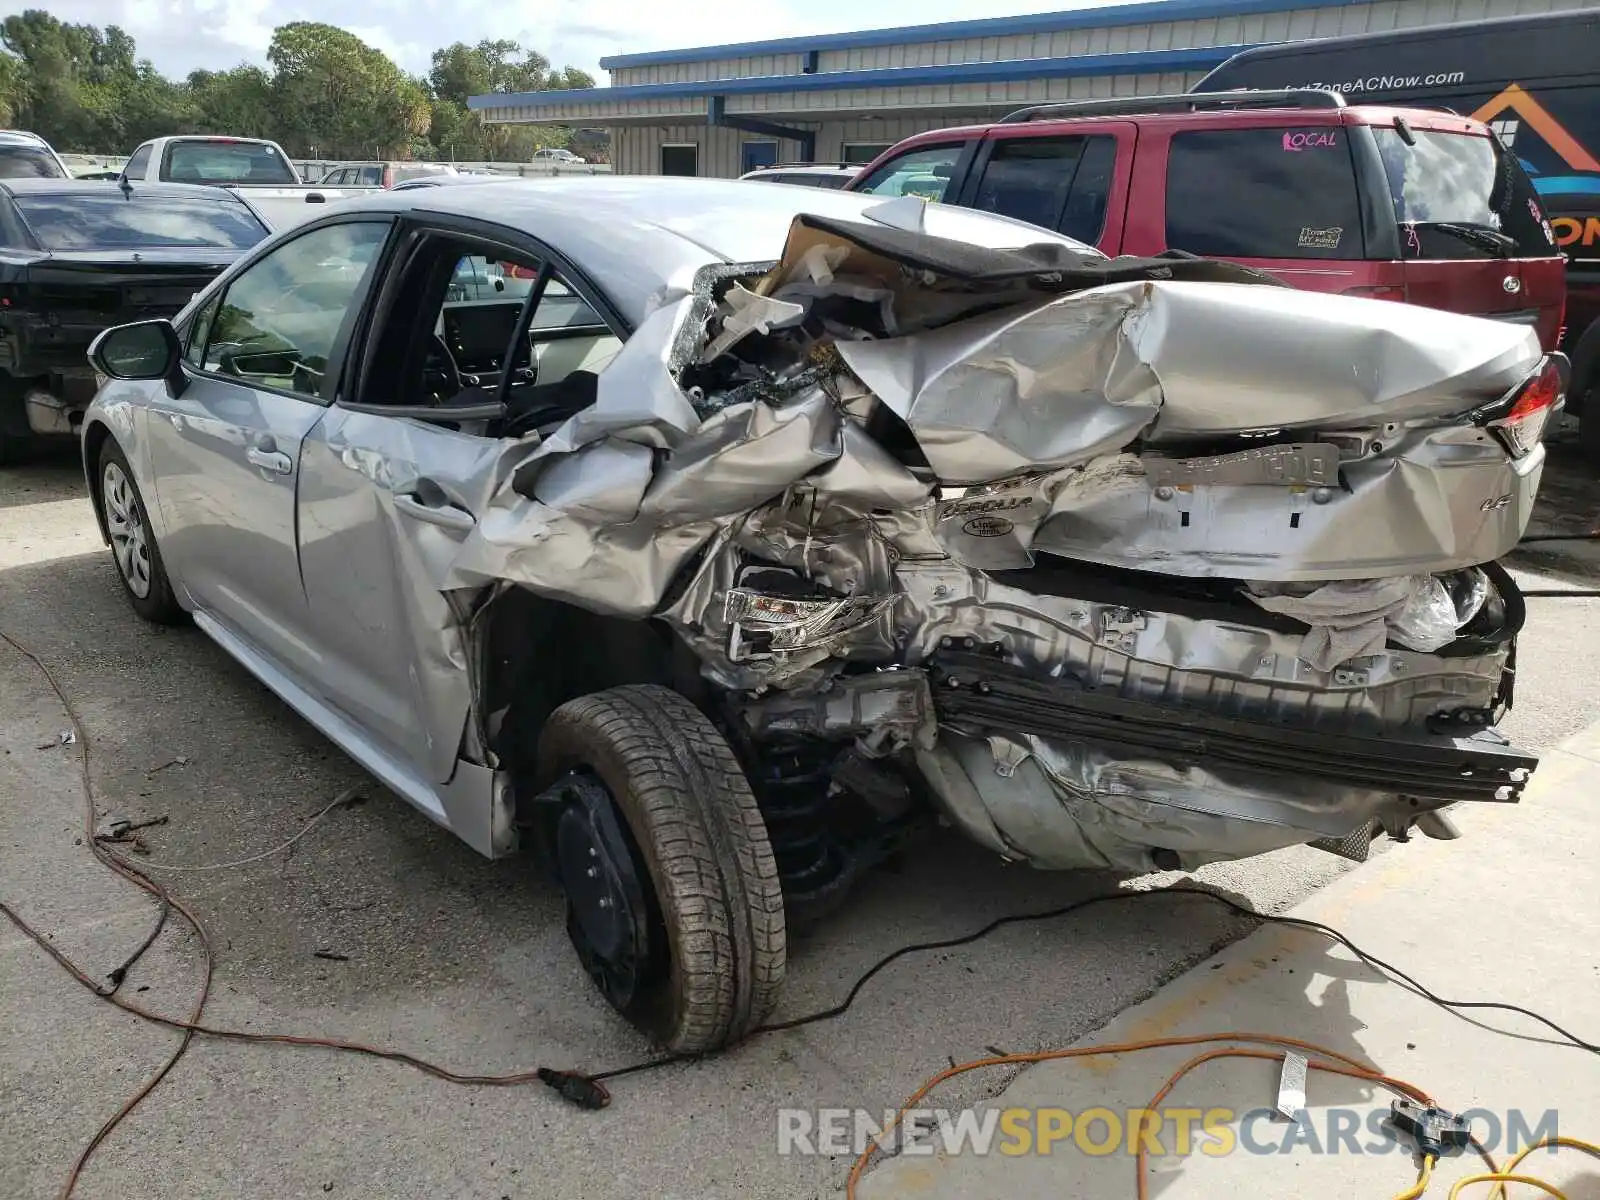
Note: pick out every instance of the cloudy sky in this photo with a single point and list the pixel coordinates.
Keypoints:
(181, 35)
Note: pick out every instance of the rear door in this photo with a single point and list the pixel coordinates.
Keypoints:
(1474, 238)
(1070, 181)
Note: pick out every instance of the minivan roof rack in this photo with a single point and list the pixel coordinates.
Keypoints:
(1184, 102)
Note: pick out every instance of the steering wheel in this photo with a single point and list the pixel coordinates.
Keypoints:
(441, 377)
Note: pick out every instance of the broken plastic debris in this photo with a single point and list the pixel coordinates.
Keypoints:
(903, 212)
(743, 312)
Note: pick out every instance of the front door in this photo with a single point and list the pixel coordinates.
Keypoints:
(396, 478)
(758, 155)
(227, 449)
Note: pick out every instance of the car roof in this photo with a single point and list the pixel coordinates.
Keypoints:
(21, 137)
(97, 187)
(639, 237)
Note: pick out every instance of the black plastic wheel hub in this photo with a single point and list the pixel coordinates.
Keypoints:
(608, 917)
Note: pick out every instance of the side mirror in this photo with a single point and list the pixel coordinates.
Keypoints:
(141, 350)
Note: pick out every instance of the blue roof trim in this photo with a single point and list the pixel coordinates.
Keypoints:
(1053, 22)
(1199, 58)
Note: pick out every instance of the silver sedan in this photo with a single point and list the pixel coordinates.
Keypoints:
(708, 541)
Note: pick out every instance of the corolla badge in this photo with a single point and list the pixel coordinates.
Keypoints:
(1511, 284)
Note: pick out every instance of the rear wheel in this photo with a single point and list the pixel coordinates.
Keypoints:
(133, 543)
(673, 900)
(1589, 428)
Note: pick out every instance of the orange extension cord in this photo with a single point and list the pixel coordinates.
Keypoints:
(1333, 1062)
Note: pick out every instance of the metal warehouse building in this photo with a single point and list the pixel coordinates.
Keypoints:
(723, 110)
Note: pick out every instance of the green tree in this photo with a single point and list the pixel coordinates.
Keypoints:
(461, 71)
(237, 102)
(332, 91)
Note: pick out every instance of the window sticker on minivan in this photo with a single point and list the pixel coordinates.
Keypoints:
(1321, 239)
(1310, 139)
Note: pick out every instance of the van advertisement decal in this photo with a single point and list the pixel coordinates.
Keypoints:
(1520, 121)
(1309, 139)
(1386, 83)
(1321, 239)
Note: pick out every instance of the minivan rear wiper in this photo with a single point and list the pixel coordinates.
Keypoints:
(1490, 238)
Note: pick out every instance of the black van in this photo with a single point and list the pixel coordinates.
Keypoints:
(1534, 80)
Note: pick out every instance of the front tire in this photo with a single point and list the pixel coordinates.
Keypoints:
(675, 909)
(133, 542)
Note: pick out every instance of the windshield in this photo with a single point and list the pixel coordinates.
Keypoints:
(28, 162)
(226, 162)
(113, 221)
(1450, 188)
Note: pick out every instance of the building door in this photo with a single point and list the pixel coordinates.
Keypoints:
(758, 155)
(680, 160)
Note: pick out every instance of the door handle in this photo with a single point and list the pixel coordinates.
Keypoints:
(447, 516)
(275, 461)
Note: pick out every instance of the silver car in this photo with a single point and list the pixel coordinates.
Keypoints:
(709, 541)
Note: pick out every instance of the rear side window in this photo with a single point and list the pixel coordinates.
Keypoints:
(114, 221)
(1056, 183)
(1451, 188)
(28, 162)
(1264, 193)
(139, 163)
(924, 173)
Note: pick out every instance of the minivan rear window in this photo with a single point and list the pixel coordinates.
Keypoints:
(1264, 193)
(1456, 195)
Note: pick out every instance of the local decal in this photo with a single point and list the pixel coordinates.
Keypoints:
(1323, 140)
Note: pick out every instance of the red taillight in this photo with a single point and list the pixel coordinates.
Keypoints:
(388, 177)
(1378, 291)
(1531, 405)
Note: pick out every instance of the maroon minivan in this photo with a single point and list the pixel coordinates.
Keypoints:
(1414, 205)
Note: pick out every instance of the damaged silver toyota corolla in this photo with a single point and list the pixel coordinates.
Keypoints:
(711, 540)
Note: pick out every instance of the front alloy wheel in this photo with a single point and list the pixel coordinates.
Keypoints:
(125, 522)
(133, 543)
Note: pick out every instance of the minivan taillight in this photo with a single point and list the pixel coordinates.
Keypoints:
(1530, 406)
(1378, 291)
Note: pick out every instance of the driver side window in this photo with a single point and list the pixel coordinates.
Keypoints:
(278, 320)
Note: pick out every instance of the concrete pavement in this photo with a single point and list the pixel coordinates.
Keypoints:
(1509, 912)
(465, 961)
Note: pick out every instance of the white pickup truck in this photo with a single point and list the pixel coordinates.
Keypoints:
(259, 171)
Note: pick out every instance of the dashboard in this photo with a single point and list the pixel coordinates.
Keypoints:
(477, 332)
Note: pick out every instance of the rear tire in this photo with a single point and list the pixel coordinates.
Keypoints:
(1589, 428)
(133, 543)
(697, 844)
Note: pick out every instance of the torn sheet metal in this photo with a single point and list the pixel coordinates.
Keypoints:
(1391, 514)
(1155, 477)
(1356, 618)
